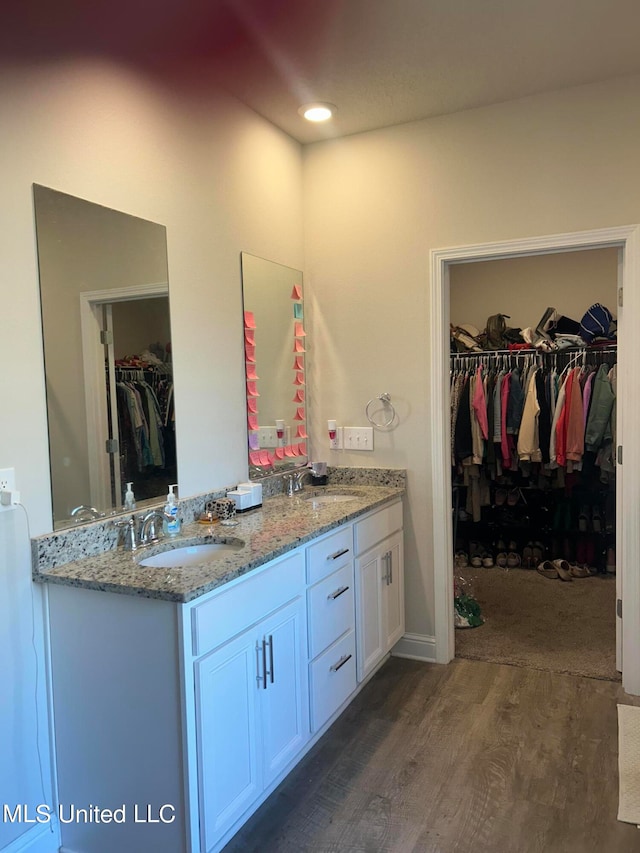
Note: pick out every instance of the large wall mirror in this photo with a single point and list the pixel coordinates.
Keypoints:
(275, 348)
(107, 351)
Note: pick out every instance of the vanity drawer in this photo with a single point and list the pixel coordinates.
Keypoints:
(333, 679)
(329, 554)
(377, 527)
(229, 612)
(331, 609)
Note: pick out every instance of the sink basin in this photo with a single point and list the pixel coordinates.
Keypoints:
(329, 498)
(189, 555)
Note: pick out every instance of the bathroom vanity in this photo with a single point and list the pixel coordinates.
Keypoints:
(184, 696)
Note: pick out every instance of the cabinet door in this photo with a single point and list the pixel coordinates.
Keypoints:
(369, 611)
(284, 694)
(393, 590)
(227, 696)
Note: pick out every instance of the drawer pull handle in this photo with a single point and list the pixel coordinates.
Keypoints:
(338, 554)
(337, 593)
(264, 664)
(340, 663)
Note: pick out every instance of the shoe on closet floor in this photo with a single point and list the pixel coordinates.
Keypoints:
(513, 560)
(564, 569)
(537, 554)
(501, 559)
(548, 570)
(461, 560)
(527, 556)
(580, 571)
(476, 550)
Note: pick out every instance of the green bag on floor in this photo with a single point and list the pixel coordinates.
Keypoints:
(467, 612)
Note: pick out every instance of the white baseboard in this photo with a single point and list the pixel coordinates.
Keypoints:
(38, 839)
(416, 647)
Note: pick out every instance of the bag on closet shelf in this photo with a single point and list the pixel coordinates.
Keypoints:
(463, 339)
(597, 322)
(495, 331)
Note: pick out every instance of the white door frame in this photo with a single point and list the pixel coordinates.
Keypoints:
(627, 240)
(91, 302)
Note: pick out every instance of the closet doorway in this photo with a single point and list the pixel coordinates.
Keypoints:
(627, 243)
(517, 509)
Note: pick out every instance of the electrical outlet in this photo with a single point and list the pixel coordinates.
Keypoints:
(7, 479)
(358, 438)
(336, 443)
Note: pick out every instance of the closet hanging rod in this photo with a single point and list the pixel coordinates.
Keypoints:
(522, 353)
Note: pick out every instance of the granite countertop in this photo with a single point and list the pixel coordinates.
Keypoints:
(261, 535)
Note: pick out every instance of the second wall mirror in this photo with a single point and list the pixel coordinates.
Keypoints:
(275, 344)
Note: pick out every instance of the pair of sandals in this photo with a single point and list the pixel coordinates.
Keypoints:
(562, 569)
(510, 560)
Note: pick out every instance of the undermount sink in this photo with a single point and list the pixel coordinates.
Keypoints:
(329, 498)
(189, 555)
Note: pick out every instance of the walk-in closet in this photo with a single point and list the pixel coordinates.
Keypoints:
(533, 460)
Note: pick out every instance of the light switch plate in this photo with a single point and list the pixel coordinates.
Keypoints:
(358, 438)
(267, 437)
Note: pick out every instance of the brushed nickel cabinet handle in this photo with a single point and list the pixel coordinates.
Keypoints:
(259, 677)
(270, 644)
(340, 663)
(264, 663)
(390, 567)
(338, 554)
(337, 593)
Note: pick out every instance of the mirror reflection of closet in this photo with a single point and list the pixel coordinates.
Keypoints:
(142, 363)
(97, 266)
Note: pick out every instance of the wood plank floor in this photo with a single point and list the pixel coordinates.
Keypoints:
(471, 756)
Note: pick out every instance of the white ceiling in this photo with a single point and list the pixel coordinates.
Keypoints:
(382, 62)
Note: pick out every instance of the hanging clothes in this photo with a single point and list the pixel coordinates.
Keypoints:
(508, 419)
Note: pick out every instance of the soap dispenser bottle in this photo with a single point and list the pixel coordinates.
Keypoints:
(129, 498)
(173, 524)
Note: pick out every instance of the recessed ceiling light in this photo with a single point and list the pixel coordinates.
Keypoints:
(317, 111)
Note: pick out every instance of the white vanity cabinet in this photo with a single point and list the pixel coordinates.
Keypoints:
(202, 708)
(379, 575)
(251, 696)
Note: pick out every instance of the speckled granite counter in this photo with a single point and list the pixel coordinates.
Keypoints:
(262, 534)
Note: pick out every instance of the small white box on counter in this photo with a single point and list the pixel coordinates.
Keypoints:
(255, 489)
(242, 500)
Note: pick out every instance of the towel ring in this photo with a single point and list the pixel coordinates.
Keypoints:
(385, 399)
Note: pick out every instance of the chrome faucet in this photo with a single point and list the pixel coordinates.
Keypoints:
(294, 482)
(298, 480)
(139, 533)
(149, 529)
